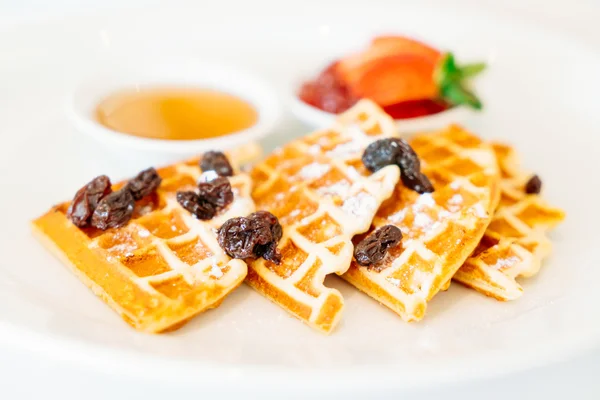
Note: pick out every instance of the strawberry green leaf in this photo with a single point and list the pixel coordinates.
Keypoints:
(472, 70)
(457, 94)
(452, 81)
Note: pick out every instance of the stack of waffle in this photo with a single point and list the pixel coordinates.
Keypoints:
(479, 227)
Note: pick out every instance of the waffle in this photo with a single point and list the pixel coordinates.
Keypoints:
(515, 243)
(164, 266)
(323, 196)
(440, 229)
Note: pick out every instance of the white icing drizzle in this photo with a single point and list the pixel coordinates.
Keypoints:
(360, 204)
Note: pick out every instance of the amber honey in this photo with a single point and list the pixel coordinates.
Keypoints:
(175, 113)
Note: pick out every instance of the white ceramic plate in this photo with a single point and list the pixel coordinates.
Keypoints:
(543, 101)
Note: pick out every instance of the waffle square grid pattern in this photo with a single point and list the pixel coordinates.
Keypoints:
(323, 196)
(516, 241)
(440, 229)
(164, 266)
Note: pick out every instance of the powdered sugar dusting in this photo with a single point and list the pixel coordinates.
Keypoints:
(436, 225)
(314, 149)
(208, 176)
(444, 214)
(422, 220)
(215, 271)
(345, 149)
(398, 217)
(359, 205)
(426, 199)
(456, 199)
(125, 249)
(393, 281)
(314, 170)
(356, 132)
(479, 210)
(503, 263)
(340, 189)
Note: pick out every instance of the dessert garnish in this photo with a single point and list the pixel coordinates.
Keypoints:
(396, 151)
(212, 197)
(97, 205)
(373, 248)
(533, 185)
(216, 161)
(404, 76)
(252, 237)
(114, 210)
(144, 184)
(217, 192)
(199, 208)
(86, 199)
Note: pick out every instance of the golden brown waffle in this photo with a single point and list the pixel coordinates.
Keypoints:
(440, 229)
(323, 196)
(164, 266)
(515, 243)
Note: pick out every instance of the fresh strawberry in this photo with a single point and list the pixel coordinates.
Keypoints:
(394, 79)
(352, 67)
(406, 77)
(415, 108)
(327, 92)
(392, 70)
(392, 44)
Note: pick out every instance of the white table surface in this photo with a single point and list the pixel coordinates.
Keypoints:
(25, 376)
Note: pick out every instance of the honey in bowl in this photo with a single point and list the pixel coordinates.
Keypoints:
(175, 113)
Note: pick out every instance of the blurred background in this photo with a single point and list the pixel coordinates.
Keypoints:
(577, 16)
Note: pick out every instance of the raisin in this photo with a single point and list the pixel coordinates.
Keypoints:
(194, 204)
(391, 151)
(271, 221)
(216, 161)
(395, 151)
(251, 237)
(533, 185)
(373, 248)
(86, 200)
(144, 184)
(217, 192)
(114, 210)
(418, 182)
(238, 237)
(268, 251)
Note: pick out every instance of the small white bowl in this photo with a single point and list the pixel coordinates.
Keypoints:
(317, 118)
(82, 104)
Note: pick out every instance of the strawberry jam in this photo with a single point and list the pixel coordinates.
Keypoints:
(329, 93)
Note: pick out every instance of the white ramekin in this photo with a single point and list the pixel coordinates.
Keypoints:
(82, 103)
